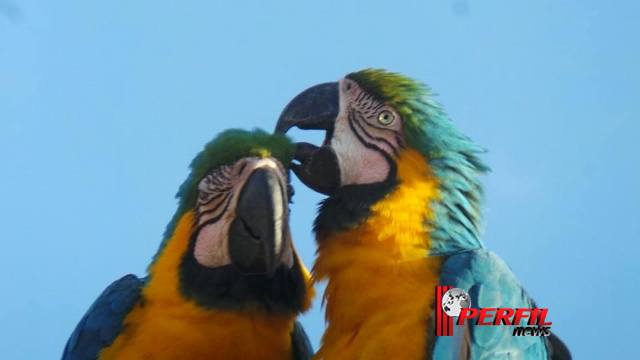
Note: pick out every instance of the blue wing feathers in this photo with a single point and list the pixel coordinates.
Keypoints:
(300, 344)
(103, 322)
(490, 284)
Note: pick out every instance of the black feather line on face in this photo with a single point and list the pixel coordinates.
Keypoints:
(397, 134)
(205, 199)
(366, 106)
(226, 201)
(356, 123)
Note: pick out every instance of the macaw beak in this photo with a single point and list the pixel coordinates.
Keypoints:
(313, 109)
(257, 233)
(316, 108)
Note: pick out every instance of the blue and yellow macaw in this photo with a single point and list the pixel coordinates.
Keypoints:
(403, 215)
(227, 282)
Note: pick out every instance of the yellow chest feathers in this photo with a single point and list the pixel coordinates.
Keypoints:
(157, 333)
(163, 333)
(381, 284)
(166, 326)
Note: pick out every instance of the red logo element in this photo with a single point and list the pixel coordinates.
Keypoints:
(444, 322)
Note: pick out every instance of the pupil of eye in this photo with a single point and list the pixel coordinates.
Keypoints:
(386, 118)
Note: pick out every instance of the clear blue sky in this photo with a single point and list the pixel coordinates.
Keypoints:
(103, 105)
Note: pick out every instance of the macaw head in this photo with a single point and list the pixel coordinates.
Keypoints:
(233, 215)
(371, 119)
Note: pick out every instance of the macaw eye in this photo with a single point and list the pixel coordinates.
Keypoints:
(386, 117)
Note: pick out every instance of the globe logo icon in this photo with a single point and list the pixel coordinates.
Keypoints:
(454, 300)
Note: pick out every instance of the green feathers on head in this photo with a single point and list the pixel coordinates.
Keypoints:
(425, 125)
(225, 149)
(450, 153)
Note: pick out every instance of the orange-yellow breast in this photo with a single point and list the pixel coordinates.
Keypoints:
(381, 284)
(166, 326)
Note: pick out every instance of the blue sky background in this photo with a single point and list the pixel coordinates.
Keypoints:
(103, 105)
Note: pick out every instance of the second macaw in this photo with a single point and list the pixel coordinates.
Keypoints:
(403, 215)
(227, 282)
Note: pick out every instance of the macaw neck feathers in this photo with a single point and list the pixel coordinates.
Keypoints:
(389, 248)
(175, 277)
(351, 204)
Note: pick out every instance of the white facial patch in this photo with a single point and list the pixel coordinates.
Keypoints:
(359, 140)
(212, 248)
(358, 164)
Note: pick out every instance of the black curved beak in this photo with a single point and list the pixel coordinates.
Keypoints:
(316, 108)
(313, 109)
(257, 233)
